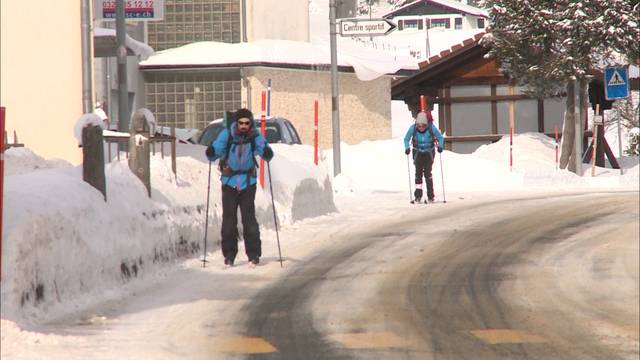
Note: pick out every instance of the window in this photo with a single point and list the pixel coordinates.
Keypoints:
(458, 23)
(196, 20)
(412, 24)
(480, 23)
(441, 23)
(191, 100)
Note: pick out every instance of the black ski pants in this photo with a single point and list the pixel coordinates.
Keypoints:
(424, 162)
(245, 199)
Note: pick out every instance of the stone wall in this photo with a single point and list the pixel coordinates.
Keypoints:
(365, 107)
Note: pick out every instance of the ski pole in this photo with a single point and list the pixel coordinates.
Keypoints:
(206, 221)
(444, 198)
(273, 204)
(409, 176)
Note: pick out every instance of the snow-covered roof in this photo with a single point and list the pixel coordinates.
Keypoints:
(368, 64)
(455, 48)
(453, 5)
(139, 48)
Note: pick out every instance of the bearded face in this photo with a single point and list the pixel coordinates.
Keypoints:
(244, 125)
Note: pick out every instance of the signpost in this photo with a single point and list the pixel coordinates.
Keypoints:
(616, 86)
(366, 27)
(616, 82)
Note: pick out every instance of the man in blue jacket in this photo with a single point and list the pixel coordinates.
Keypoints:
(237, 147)
(423, 136)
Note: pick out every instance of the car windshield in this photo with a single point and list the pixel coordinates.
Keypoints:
(211, 132)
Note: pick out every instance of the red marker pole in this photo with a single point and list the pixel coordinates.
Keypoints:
(263, 130)
(2, 126)
(422, 107)
(555, 130)
(510, 149)
(315, 132)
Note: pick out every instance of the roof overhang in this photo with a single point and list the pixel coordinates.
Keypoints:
(437, 68)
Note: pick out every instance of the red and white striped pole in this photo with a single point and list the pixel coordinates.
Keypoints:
(555, 131)
(263, 130)
(2, 126)
(510, 148)
(315, 132)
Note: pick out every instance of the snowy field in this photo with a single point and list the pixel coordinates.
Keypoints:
(65, 250)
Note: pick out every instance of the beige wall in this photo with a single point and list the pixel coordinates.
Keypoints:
(41, 74)
(278, 19)
(365, 107)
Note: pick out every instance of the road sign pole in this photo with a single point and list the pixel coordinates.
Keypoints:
(121, 53)
(335, 111)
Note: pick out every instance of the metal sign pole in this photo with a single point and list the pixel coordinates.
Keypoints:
(335, 111)
(87, 58)
(121, 53)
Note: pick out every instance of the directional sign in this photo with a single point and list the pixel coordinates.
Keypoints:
(365, 27)
(616, 82)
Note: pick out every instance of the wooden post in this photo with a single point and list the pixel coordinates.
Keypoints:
(315, 132)
(139, 155)
(595, 140)
(93, 158)
(555, 132)
(174, 166)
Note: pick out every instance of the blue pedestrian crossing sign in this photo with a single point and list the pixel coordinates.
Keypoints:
(616, 82)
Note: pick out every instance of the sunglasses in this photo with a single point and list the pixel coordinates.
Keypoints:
(422, 125)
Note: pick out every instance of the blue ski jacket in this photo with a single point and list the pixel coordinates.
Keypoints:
(423, 140)
(239, 167)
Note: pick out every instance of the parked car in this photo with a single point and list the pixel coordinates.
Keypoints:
(278, 131)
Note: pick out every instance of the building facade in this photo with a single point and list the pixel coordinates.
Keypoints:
(193, 98)
(41, 75)
(477, 103)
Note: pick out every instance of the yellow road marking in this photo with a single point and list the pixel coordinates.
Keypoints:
(243, 345)
(369, 340)
(507, 336)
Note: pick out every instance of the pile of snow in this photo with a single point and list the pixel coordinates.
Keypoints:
(64, 247)
(20, 160)
(383, 166)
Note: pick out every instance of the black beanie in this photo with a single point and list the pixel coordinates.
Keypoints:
(244, 113)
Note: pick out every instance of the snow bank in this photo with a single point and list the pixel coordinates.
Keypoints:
(64, 246)
(20, 160)
(383, 166)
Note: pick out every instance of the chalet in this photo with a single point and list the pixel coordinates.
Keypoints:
(477, 103)
(437, 14)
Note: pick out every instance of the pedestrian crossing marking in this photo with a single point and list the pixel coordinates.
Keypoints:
(507, 336)
(616, 79)
(243, 345)
(370, 340)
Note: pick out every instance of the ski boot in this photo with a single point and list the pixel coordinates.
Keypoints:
(417, 196)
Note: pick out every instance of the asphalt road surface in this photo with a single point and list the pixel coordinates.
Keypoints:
(536, 278)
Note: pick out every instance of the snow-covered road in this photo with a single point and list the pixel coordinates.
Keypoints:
(346, 281)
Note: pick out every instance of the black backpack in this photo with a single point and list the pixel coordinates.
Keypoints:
(225, 170)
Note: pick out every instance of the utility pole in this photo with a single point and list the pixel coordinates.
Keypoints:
(335, 111)
(87, 58)
(121, 53)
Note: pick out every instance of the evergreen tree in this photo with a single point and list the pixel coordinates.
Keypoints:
(545, 45)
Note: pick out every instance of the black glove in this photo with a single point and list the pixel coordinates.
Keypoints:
(210, 152)
(267, 153)
(439, 149)
(407, 151)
